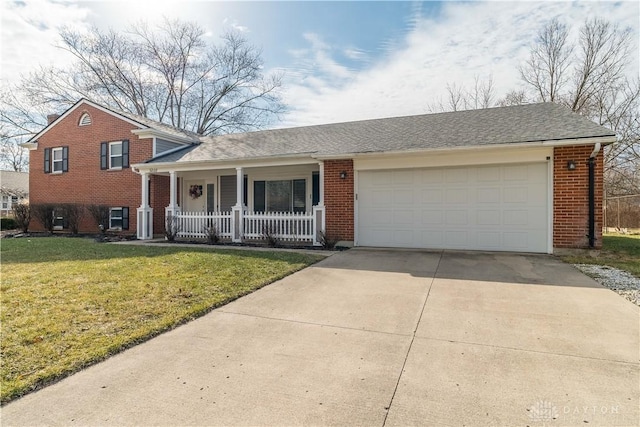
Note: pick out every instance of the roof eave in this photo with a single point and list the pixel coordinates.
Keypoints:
(603, 140)
(152, 132)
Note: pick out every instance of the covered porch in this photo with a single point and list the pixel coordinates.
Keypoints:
(240, 203)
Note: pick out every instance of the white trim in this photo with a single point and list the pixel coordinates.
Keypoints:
(155, 133)
(501, 146)
(85, 120)
(159, 167)
(111, 217)
(53, 161)
(356, 208)
(550, 204)
(110, 156)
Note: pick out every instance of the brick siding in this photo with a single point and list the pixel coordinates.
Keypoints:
(339, 199)
(571, 197)
(85, 182)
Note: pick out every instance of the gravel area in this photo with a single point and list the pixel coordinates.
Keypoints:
(618, 281)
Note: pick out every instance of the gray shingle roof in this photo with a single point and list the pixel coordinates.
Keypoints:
(504, 125)
(154, 124)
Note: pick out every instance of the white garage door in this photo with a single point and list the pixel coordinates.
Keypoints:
(501, 208)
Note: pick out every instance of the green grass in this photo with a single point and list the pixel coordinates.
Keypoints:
(618, 250)
(69, 302)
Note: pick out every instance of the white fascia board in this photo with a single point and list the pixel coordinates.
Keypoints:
(603, 140)
(511, 146)
(151, 133)
(29, 145)
(73, 108)
(224, 164)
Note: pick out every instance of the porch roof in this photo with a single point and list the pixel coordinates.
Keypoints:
(524, 124)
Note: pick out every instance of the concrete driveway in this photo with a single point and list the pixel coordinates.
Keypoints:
(374, 338)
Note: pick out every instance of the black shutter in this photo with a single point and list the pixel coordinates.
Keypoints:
(104, 148)
(245, 191)
(259, 196)
(65, 159)
(125, 218)
(315, 188)
(47, 160)
(125, 153)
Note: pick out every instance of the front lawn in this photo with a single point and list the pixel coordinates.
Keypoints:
(69, 302)
(621, 251)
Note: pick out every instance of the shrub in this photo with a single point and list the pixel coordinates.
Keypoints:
(45, 214)
(22, 215)
(8, 224)
(172, 227)
(213, 235)
(269, 234)
(327, 241)
(100, 215)
(72, 214)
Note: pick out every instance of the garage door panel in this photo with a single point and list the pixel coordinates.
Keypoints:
(431, 176)
(488, 195)
(431, 195)
(403, 197)
(456, 176)
(403, 217)
(432, 217)
(483, 208)
(488, 217)
(456, 195)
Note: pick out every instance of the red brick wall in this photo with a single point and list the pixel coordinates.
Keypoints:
(158, 201)
(571, 197)
(339, 199)
(85, 183)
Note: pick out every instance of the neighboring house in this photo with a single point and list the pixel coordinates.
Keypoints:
(524, 178)
(14, 189)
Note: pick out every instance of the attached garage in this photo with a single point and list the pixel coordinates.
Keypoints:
(490, 207)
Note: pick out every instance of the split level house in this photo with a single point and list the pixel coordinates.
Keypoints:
(524, 178)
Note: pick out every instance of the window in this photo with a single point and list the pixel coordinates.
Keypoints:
(114, 155)
(56, 160)
(5, 202)
(119, 218)
(280, 196)
(59, 222)
(85, 120)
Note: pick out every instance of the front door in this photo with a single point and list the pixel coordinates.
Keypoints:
(195, 198)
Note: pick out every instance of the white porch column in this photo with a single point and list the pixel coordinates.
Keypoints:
(144, 212)
(173, 209)
(173, 190)
(237, 220)
(319, 225)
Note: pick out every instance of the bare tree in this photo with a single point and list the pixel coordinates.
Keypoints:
(481, 95)
(547, 67)
(168, 73)
(589, 77)
(513, 97)
(12, 155)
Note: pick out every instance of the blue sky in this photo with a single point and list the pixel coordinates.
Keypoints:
(341, 60)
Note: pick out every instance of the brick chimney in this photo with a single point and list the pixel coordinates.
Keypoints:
(52, 118)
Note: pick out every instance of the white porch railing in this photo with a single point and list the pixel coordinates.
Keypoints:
(195, 224)
(285, 226)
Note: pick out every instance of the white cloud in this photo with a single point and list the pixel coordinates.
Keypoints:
(29, 34)
(467, 40)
